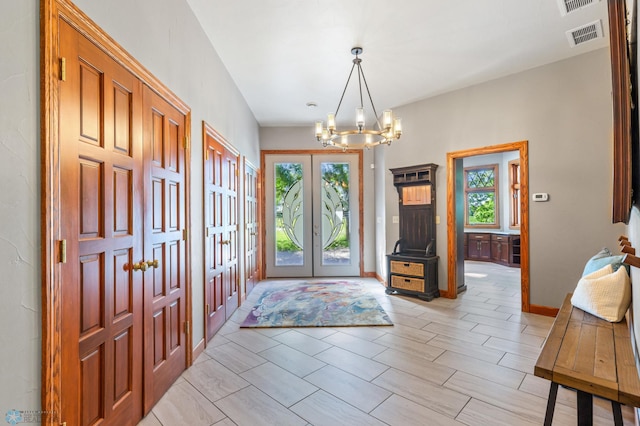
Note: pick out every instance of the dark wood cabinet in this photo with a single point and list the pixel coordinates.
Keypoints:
(479, 247)
(493, 247)
(500, 248)
(413, 265)
(416, 275)
(514, 250)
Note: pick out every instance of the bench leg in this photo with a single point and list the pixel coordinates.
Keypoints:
(585, 409)
(551, 404)
(617, 413)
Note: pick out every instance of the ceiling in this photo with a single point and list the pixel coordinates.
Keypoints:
(283, 54)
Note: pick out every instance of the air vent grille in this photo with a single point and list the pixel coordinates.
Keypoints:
(585, 33)
(568, 6)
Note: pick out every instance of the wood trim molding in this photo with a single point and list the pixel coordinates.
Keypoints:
(198, 349)
(263, 200)
(621, 93)
(523, 149)
(543, 310)
(51, 11)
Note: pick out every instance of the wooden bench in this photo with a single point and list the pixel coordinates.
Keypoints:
(592, 356)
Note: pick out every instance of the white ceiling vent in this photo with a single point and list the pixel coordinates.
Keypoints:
(585, 33)
(568, 6)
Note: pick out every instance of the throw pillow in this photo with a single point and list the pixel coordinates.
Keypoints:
(604, 293)
(601, 259)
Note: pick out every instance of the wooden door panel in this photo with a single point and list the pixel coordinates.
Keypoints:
(90, 103)
(230, 184)
(164, 246)
(251, 227)
(214, 278)
(91, 203)
(221, 234)
(100, 181)
(92, 372)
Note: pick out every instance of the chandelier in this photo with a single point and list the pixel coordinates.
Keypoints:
(360, 136)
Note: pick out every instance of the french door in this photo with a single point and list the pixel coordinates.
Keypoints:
(312, 215)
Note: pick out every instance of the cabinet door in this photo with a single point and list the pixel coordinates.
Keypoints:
(485, 250)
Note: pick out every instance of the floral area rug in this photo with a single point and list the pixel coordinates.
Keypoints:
(316, 304)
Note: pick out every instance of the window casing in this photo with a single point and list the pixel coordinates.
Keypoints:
(514, 194)
(481, 205)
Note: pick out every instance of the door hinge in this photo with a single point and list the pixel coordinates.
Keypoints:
(184, 235)
(186, 327)
(206, 232)
(186, 142)
(208, 309)
(63, 251)
(237, 172)
(63, 69)
(206, 154)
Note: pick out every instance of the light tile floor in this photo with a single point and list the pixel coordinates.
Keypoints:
(445, 362)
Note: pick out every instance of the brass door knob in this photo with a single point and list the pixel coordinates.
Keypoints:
(225, 242)
(153, 263)
(140, 266)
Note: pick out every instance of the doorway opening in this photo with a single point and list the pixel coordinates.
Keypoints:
(456, 214)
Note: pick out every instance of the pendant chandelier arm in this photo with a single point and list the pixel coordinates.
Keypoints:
(345, 89)
(366, 86)
(360, 77)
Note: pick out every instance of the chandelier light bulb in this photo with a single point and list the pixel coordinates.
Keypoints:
(319, 126)
(360, 118)
(387, 118)
(331, 122)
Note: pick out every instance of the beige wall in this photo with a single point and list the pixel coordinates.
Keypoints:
(564, 111)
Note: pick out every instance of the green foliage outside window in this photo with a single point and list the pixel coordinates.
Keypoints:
(480, 190)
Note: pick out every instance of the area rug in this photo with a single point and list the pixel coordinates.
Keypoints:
(316, 304)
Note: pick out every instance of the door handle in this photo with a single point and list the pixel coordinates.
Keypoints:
(140, 266)
(225, 242)
(152, 263)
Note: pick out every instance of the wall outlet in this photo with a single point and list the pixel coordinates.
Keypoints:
(395, 219)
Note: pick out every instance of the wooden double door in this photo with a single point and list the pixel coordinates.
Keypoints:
(221, 268)
(122, 212)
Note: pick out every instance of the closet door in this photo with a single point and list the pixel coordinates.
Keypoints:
(164, 246)
(252, 226)
(221, 232)
(101, 201)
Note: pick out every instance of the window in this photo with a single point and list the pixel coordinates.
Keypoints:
(514, 194)
(481, 196)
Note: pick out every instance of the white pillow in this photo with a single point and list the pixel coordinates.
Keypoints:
(604, 293)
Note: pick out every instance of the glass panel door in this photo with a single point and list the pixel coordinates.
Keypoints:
(288, 216)
(336, 215)
(312, 215)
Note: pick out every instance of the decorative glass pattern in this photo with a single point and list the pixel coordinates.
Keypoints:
(289, 224)
(335, 214)
(481, 178)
